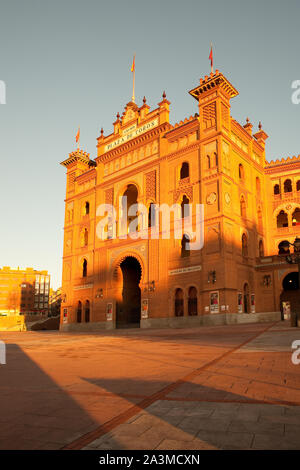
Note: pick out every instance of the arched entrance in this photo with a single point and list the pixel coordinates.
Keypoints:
(246, 298)
(128, 312)
(290, 295)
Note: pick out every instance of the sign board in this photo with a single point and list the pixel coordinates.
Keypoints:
(252, 303)
(240, 302)
(65, 315)
(144, 309)
(189, 269)
(214, 302)
(109, 311)
(131, 133)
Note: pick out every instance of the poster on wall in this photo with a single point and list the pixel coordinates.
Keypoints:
(109, 311)
(240, 302)
(214, 302)
(252, 303)
(286, 307)
(65, 315)
(144, 309)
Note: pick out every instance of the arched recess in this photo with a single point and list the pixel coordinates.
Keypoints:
(246, 298)
(179, 303)
(128, 309)
(87, 311)
(290, 294)
(79, 312)
(184, 170)
(192, 301)
(282, 219)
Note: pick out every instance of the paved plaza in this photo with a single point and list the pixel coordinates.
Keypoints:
(226, 387)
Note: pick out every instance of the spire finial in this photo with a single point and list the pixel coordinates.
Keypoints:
(101, 130)
(247, 120)
(259, 125)
(144, 100)
(118, 116)
(164, 95)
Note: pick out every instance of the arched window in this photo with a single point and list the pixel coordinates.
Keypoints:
(192, 301)
(276, 189)
(259, 219)
(281, 248)
(179, 308)
(185, 251)
(86, 237)
(129, 199)
(185, 210)
(258, 187)
(282, 219)
(84, 268)
(243, 206)
(246, 298)
(288, 186)
(87, 311)
(241, 172)
(261, 249)
(244, 245)
(216, 161)
(87, 208)
(298, 185)
(79, 312)
(296, 216)
(184, 171)
(208, 162)
(151, 215)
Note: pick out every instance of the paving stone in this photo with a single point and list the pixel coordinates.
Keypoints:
(271, 442)
(228, 440)
(195, 444)
(210, 424)
(257, 427)
(167, 431)
(280, 419)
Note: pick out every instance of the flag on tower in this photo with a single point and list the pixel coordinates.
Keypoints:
(211, 58)
(133, 78)
(133, 64)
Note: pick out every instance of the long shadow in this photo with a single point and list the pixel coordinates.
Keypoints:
(35, 413)
(176, 412)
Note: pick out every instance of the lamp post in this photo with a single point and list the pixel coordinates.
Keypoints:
(293, 258)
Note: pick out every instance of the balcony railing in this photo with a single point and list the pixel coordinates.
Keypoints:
(278, 199)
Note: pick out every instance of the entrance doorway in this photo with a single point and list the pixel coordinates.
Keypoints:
(246, 298)
(129, 309)
(291, 293)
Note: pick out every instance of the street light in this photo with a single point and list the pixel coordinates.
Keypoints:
(293, 258)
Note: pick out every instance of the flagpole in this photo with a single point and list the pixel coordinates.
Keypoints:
(133, 83)
(211, 61)
(133, 97)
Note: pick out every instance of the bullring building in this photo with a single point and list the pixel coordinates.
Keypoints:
(251, 206)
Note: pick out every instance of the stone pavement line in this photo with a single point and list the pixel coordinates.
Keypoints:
(91, 436)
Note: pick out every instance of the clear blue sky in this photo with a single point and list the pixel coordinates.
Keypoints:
(67, 63)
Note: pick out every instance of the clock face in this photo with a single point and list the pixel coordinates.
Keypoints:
(227, 198)
(211, 198)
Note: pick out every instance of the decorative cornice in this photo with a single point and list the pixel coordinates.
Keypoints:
(216, 79)
(76, 156)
